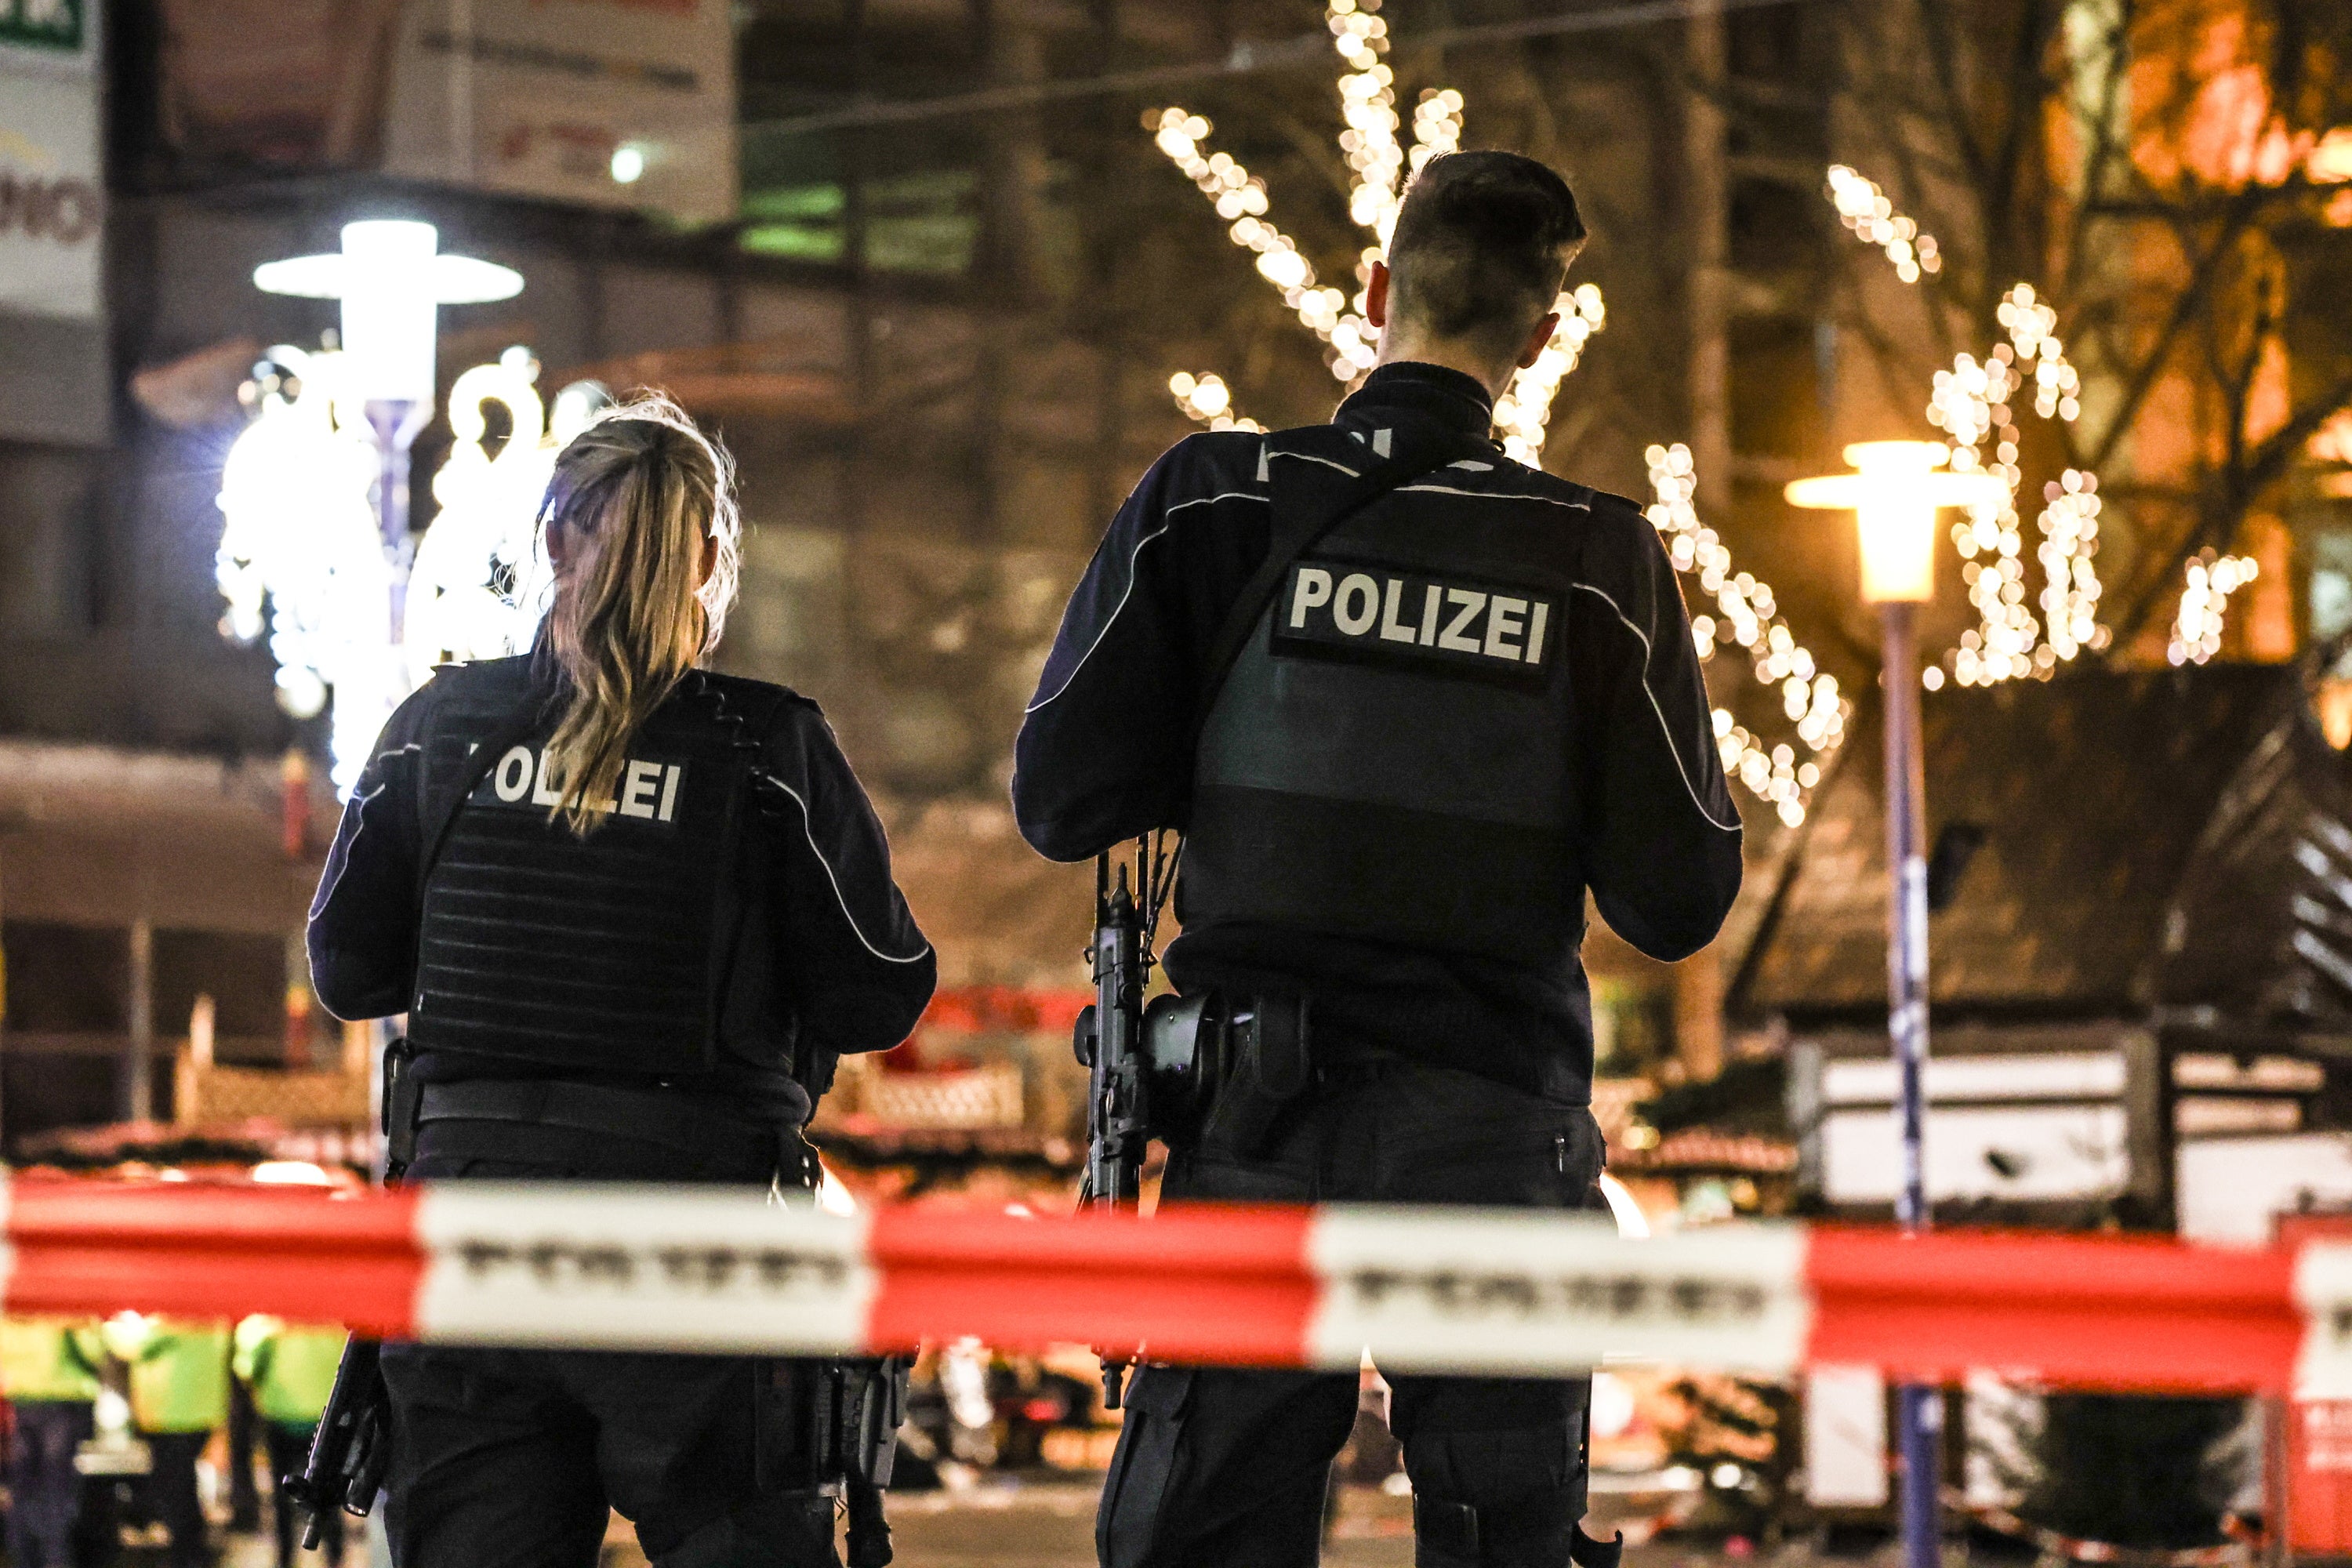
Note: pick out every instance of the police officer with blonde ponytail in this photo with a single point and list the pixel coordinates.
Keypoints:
(635, 911)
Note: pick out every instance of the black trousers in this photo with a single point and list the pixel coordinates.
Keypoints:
(172, 1492)
(43, 1488)
(1217, 1465)
(243, 1431)
(508, 1458)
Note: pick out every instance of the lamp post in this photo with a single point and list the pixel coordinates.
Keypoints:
(1894, 493)
(392, 282)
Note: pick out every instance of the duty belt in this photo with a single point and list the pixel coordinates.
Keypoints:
(669, 1118)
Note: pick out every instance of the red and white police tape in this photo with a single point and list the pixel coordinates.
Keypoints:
(1425, 1290)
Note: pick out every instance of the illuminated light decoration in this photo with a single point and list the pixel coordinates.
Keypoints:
(1208, 399)
(2196, 628)
(1240, 198)
(300, 556)
(1524, 411)
(1865, 209)
(1378, 164)
(2330, 163)
(1748, 619)
(482, 579)
(1973, 403)
(391, 279)
(2070, 534)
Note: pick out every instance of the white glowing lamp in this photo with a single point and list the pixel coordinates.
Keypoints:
(391, 281)
(1894, 493)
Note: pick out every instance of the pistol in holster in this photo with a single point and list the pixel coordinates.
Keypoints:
(831, 1428)
(403, 1098)
(1223, 1067)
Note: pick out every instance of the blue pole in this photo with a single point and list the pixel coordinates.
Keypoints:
(1919, 1409)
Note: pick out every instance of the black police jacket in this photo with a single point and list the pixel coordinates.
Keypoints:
(1611, 782)
(731, 923)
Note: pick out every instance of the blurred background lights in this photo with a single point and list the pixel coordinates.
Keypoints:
(478, 585)
(300, 556)
(1865, 209)
(629, 164)
(1746, 616)
(2017, 633)
(315, 540)
(1379, 168)
(1208, 399)
(2197, 625)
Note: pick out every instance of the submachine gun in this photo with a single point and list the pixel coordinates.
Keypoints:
(1150, 1069)
(349, 1452)
(352, 1446)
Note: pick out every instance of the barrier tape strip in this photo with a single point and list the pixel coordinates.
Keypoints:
(1451, 1289)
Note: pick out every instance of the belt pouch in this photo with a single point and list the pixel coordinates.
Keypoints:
(1269, 1068)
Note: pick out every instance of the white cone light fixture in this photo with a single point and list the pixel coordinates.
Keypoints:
(1895, 492)
(392, 280)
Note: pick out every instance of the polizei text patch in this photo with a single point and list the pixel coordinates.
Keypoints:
(525, 777)
(1339, 609)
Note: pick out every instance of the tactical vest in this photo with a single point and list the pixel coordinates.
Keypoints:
(608, 952)
(1389, 756)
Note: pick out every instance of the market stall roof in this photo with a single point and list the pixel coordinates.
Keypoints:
(2081, 830)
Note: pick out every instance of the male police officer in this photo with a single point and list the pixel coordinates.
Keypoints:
(1409, 701)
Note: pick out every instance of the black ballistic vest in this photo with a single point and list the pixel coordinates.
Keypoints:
(605, 954)
(1390, 756)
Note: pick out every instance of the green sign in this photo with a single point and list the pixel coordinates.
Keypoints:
(42, 23)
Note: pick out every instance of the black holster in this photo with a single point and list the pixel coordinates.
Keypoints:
(1268, 1063)
(831, 1428)
(402, 1102)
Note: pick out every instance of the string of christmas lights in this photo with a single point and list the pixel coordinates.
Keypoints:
(1974, 402)
(1865, 209)
(2196, 628)
(1747, 617)
(1240, 198)
(300, 556)
(1378, 164)
(1524, 411)
(1208, 399)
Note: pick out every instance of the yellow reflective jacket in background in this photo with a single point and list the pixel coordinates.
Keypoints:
(54, 1359)
(179, 1372)
(290, 1367)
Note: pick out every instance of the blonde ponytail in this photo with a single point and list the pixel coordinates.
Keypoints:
(636, 500)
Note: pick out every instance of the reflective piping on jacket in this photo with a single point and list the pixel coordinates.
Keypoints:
(809, 833)
(1672, 750)
(357, 809)
(1108, 621)
(1210, 501)
(1495, 495)
(1311, 457)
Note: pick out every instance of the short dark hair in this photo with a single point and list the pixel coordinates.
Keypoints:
(1481, 247)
